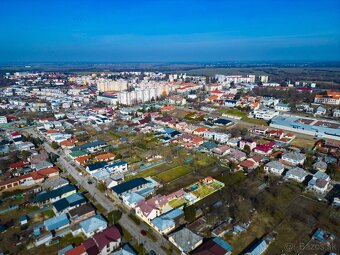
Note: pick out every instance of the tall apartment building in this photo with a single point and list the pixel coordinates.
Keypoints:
(104, 85)
(236, 78)
(140, 95)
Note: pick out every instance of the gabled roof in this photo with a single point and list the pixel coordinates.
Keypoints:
(215, 246)
(43, 196)
(96, 166)
(110, 234)
(89, 145)
(79, 250)
(56, 222)
(81, 210)
(128, 185)
(91, 247)
(92, 224)
(70, 201)
(125, 250)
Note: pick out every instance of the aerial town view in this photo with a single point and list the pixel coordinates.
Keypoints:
(170, 127)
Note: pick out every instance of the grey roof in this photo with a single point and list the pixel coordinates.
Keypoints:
(297, 171)
(59, 182)
(320, 165)
(275, 165)
(295, 156)
(186, 239)
(321, 175)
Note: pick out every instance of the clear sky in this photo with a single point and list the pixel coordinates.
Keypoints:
(173, 30)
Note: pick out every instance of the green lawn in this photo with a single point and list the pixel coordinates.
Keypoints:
(244, 116)
(232, 178)
(177, 202)
(255, 121)
(173, 173)
(235, 112)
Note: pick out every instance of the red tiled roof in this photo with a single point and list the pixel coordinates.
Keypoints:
(107, 236)
(17, 164)
(79, 250)
(44, 173)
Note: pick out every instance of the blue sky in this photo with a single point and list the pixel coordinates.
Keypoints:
(174, 30)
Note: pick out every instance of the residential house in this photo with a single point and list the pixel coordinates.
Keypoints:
(216, 136)
(105, 157)
(323, 236)
(320, 166)
(249, 165)
(336, 113)
(102, 243)
(257, 248)
(68, 203)
(93, 225)
(28, 180)
(274, 167)
(282, 107)
(82, 160)
(237, 155)
(114, 180)
(221, 150)
(185, 240)
(81, 213)
(156, 205)
(57, 222)
(54, 195)
(296, 174)
(320, 111)
(54, 183)
(167, 222)
(200, 131)
(92, 146)
(250, 142)
(265, 148)
(233, 142)
(132, 199)
(260, 130)
(319, 182)
(129, 186)
(117, 167)
(125, 250)
(214, 246)
(293, 158)
(95, 167)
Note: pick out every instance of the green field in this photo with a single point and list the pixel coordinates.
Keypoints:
(235, 112)
(244, 116)
(173, 173)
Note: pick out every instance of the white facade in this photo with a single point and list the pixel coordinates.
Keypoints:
(3, 119)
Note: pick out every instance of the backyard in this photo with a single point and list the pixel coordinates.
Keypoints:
(173, 174)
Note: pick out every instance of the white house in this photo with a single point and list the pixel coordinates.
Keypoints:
(319, 182)
(282, 107)
(274, 167)
(296, 174)
(293, 158)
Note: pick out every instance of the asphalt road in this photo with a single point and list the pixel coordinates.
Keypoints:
(108, 204)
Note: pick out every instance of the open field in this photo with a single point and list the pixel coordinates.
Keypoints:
(173, 173)
(262, 223)
(244, 116)
(305, 143)
(327, 76)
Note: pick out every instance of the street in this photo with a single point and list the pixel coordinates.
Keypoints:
(125, 221)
